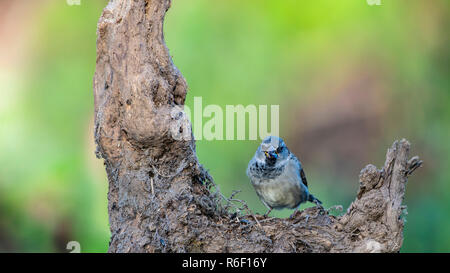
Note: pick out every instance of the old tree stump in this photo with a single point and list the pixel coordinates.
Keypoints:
(160, 197)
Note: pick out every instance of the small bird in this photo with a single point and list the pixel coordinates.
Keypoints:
(278, 177)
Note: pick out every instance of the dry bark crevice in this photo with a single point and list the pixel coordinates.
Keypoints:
(161, 199)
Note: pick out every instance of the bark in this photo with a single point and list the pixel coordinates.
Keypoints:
(162, 200)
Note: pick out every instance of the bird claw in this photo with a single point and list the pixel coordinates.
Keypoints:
(267, 213)
(293, 214)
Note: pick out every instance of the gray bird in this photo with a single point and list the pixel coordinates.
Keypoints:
(278, 177)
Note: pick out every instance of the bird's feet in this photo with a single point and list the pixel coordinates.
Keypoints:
(267, 213)
(292, 216)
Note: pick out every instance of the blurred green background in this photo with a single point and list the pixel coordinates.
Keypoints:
(350, 78)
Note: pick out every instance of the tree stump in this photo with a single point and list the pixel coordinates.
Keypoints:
(161, 199)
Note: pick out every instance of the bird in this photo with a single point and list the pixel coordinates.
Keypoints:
(278, 177)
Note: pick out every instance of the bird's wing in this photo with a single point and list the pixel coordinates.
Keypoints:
(303, 176)
(301, 171)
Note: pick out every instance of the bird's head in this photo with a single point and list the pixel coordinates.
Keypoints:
(272, 150)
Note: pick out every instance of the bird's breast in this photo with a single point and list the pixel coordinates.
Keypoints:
(284, 191)
(280, 194)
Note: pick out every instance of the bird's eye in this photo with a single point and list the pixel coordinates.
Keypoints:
(279, 149)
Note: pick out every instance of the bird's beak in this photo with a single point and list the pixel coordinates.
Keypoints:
(271, 155)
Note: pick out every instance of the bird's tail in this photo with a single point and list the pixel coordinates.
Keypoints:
(313, 199)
